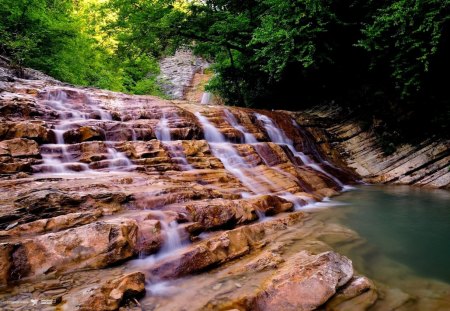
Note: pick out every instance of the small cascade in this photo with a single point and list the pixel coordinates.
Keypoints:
(206, 98)
(172, 239)
(117, 159)
(57, 158)
(248, 137)
(276, 135)
(175, 151)
(162, 129)
(212, 134)
(231, 159)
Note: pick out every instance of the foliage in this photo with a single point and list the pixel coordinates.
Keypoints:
(65, 39)
(382, 60)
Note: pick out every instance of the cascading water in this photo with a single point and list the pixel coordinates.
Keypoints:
(277, 136)
(57, 158)
(172, 239)
(248, 137)
(237, 165)
(175, 151)
(231, 159)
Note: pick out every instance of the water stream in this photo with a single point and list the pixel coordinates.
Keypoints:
(72, 115)
(406, 225)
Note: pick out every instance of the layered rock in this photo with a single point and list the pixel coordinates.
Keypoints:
(423, 164)
(97, 183)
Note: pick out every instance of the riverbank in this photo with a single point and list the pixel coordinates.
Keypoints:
(110, 200)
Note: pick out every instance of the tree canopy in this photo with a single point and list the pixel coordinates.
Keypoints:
(385, 60)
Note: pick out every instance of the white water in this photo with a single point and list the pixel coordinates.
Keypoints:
(212, 134)
(162, 129)
(245, 173)
(56, 157)
(278, 136)
(248, 137)
(117, 159)
(175, 151)
(172, 240)
(206, 98)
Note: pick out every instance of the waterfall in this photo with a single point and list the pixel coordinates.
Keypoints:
(57, 158)
(232, 161)
(248, 137)
(162, 129)
(276, 135)
(245, 173)
(175, 152)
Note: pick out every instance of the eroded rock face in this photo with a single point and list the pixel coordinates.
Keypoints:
(423, 164)
(94, 245)
(111, 294)
(91, 179)
(305, 282)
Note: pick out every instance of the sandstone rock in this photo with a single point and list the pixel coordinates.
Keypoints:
(149, 238)
(94, 245)
(19, 147)
(52, 224)
(218, 213)
(82, 134)
(345, 141)
(220, 249)
(109, 295)
(31, 130)
(358, 294)
(305, 282)
(271, 204)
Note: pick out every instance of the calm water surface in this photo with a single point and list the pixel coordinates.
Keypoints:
(408, 225)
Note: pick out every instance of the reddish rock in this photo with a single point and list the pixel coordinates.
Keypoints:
(110, 294)
(305, 282)
(96, 245)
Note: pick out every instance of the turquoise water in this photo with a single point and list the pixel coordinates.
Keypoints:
(408, 225)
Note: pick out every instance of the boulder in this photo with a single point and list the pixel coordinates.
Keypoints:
(19, 147)
(95, 245)
(110, 294)
(358, 294)
(305, 282)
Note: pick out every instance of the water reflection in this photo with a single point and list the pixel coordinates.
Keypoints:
(408, 225)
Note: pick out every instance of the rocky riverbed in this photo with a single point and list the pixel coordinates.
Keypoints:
(111, 201)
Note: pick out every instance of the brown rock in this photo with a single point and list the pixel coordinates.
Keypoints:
(95, 245)
(305, 282)
(31, 130)
(19, 147)
(109, 295)
(358, 294)
(84, 133)
(53, 224)
(221, 248)
(271, 204)
(149, 237)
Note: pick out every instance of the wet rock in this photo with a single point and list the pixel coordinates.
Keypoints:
(94, 245)
(84, 133)
(19, 147)
(271, 204)
(305, 282)
(358, 294)
(109, 295)
(219, 213)
(51, 224)
(31, 130)
(149, 238)
(221, 248)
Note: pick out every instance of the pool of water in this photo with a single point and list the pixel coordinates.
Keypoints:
(405, 225)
